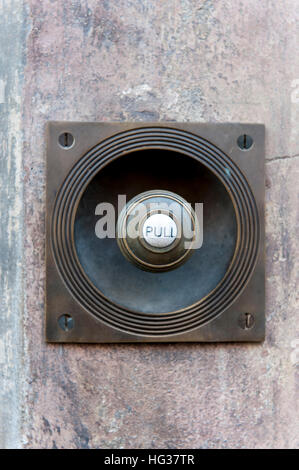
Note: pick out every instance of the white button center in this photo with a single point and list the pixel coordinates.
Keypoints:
(159, 230)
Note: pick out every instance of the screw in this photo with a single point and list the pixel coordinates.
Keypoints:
(66, 140)
(66, 322)
(246, 321)
(244, 142)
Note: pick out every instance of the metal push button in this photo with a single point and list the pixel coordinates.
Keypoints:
(159, 230)
(156, 230)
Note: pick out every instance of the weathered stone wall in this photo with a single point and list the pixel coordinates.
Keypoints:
(11, 222)
(184, 60)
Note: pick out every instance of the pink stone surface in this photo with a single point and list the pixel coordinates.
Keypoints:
(186, 61)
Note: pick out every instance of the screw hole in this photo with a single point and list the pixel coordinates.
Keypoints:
(245, 142)
(66, 140)
(66, 322)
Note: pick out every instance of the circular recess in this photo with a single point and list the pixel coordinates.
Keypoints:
(88, 291)
(103, 262)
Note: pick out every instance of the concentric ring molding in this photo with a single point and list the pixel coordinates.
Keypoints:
(206, 309)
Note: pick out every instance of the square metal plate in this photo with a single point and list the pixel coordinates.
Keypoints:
(236, 151)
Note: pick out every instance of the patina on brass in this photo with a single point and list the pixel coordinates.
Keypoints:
(104, 297)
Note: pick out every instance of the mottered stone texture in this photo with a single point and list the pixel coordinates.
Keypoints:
(144, 60)
(11, 224)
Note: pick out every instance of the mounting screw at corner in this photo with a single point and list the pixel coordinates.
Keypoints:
(66, 322)
(245, 142)
(246, 321)
(66, 140)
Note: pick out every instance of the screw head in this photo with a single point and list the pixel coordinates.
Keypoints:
(66, 140)
(246, 321)
(245, 142)
(66, 322)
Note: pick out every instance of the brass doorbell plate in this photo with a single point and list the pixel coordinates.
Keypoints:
(96, 294)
